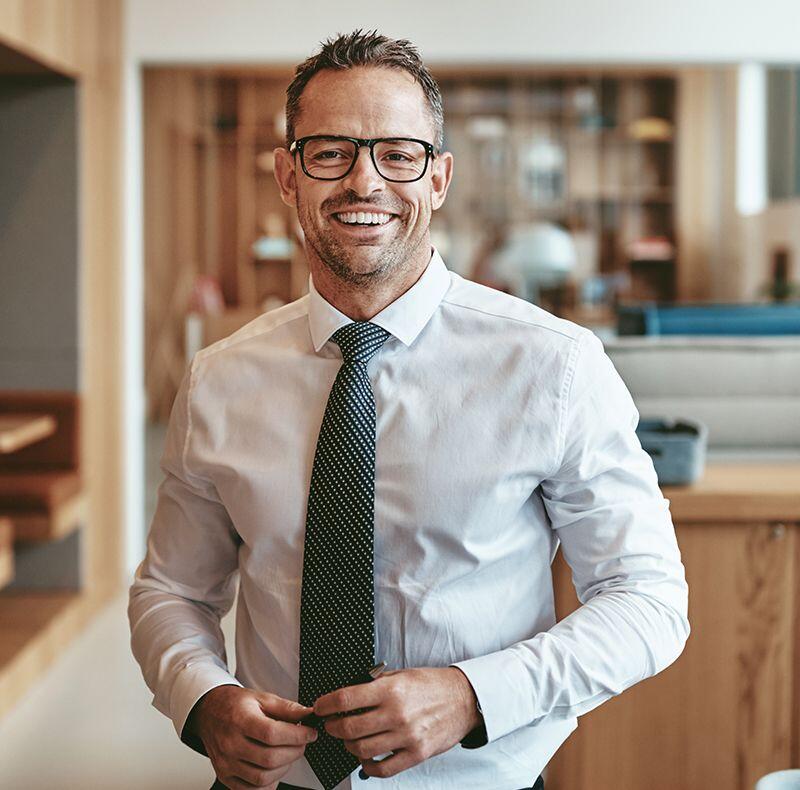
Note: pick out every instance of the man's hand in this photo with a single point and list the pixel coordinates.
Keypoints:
(250, 736)
(414, 713)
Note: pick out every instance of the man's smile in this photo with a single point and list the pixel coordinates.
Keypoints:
(361, 223)
(363, 217)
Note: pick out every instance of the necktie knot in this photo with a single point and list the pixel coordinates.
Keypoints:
(359, 341)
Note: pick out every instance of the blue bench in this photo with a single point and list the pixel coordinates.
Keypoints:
(709, 319)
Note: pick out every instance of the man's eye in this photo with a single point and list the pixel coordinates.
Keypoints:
(397, 156)
(330, 154)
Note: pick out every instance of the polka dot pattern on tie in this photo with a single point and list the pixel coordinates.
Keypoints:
(337, 600)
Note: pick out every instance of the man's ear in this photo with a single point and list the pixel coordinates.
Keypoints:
(440, 179)
(285, 176)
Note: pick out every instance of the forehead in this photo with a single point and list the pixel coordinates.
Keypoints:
(364, 101)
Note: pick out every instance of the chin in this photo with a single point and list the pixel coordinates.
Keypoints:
(359, 261)
(367, 260)
(366, 272)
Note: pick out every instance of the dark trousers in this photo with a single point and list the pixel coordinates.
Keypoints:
(537, 785)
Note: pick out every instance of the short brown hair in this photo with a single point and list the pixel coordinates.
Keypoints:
(365, 49)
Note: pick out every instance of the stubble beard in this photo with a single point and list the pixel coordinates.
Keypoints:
(346, 264)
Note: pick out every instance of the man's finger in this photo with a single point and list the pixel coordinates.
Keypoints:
(277, 733)
(360, 725)
(256, 775)
(267, 756)
(279, 708)
(363, 695)
(399, 761)
(374, 746)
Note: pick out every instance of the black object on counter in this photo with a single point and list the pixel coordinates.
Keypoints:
(678, 449)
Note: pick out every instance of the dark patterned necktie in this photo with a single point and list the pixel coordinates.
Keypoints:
(337, 601)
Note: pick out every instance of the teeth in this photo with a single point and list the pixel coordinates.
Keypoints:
(364, 218)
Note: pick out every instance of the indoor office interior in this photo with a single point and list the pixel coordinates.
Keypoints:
(642, 181)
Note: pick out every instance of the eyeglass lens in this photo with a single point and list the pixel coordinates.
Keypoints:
(398, 160)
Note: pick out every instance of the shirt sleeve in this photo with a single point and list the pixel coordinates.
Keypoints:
(617, 536)
(186, 582)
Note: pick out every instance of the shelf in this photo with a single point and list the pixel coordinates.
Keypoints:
(614, 134)
(662, 196)
(234, 138)
(276, 259)
(214, 137)
(41, 527)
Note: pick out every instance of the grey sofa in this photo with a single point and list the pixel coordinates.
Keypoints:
(746, 390)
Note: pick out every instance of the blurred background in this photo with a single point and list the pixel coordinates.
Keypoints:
(633, 167)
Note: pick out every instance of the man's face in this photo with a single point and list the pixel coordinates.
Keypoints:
(364, 102)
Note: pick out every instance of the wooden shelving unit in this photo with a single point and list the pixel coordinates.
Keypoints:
(77, 44)
(239, 121)
(593, 152)
(222, 216)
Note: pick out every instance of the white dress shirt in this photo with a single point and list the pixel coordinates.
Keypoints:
(502, 431)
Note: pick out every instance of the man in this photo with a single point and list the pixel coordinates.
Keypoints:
(388, 465)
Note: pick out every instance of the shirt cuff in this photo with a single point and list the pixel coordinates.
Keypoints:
(501, 682)
(190, 685)
(476, 737)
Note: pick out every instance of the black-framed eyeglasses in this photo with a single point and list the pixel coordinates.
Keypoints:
(329, 157)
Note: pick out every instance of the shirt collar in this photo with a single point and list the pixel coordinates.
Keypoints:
(404, 318)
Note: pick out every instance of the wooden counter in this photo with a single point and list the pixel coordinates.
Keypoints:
(728, 710)
(739, 492)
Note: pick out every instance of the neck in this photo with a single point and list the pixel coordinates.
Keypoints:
(362, 304)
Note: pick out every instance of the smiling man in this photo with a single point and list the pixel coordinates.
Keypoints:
(388, 466)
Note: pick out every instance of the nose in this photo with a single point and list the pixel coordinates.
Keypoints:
(364, 178)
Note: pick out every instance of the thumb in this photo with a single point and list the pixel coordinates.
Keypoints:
(282, 709)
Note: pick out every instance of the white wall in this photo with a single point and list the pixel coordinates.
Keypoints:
(699, 31)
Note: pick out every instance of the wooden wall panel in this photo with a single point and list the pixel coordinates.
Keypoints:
(99, 28)
(696, 217)
(172, 242)
(721, 715)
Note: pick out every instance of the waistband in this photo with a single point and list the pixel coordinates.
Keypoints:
(537, 785)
